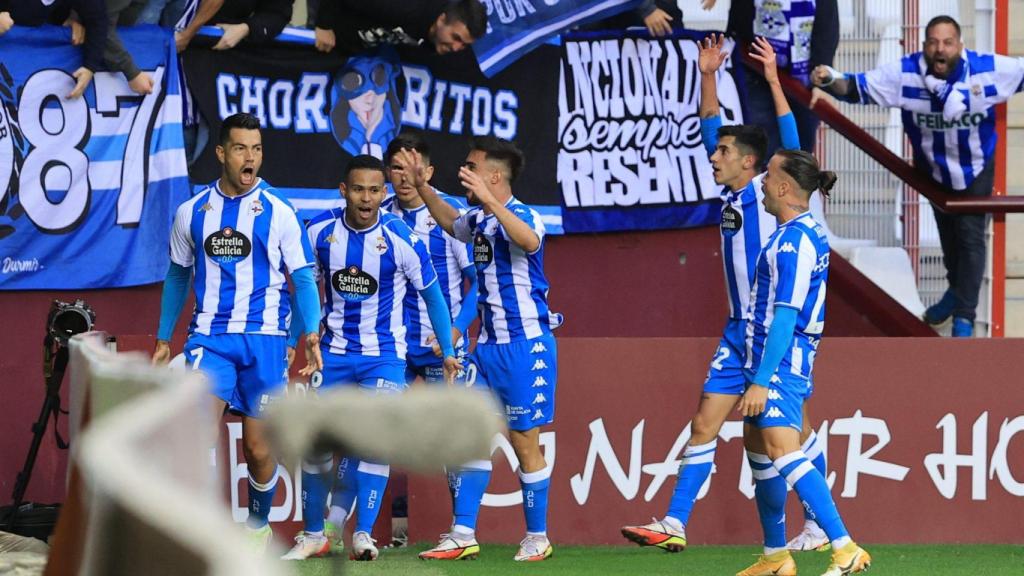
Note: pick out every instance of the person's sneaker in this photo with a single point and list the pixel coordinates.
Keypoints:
(451, 547)
(259, 538)
(811, 538)
(849, 559)
(363, 547)
(308, 546)
(333, 534)
(534, 549)
(940, 311)
(657, 533)
(778, 564)
(962, 328)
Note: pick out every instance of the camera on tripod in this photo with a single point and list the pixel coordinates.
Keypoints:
(65, 320)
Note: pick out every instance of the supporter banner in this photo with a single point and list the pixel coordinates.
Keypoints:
(514, 27)
(318, 111)
(88, 186)
(630, 155)
(913, 457)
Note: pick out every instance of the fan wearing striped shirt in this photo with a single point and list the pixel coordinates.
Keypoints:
(948, 96)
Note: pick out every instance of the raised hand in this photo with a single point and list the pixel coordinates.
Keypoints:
(413, 168)
(712, 53)
(762, 51)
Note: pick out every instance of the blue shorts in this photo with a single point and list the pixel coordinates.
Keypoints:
(522, 375)
(785, 406)
(725, 374)
(422, 362)
(382, 375)
(247, 370)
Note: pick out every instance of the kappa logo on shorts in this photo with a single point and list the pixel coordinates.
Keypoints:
(539, 382)
(539, 398)
(773, 394)
(538, 348)
(539, 365)
(774, 412)
(538, 415)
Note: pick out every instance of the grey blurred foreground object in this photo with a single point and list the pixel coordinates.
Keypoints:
(419, 430)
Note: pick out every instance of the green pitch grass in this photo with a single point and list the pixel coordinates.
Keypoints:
(495, 560)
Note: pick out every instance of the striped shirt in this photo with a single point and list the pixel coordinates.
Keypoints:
(792, 271)
(745, 228)
(953, 151)
(449, 257)
(513, 288)
(367, 274)
(239, 247)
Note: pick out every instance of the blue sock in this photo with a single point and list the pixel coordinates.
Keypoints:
(815, 452)
(535, 499)
(344, 495)
(810, 486)
(468, 485)
(770, 495)
(315, 482)
(261, 496)
(693, 472)
(371, 482)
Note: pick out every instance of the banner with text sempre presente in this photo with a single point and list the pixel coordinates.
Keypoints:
(630, 154)
(88, 186)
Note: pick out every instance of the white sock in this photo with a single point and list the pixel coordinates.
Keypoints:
(841, 542)
(769, 551)
(337, 516)
(674, 523)
(463, 532)
(543, 535)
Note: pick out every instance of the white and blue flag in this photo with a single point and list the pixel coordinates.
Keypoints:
(88, 186)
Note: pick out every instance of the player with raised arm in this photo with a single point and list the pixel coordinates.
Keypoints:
(515, 355)
(456, 273)
(235, 239)
(368, 261)
(737, 153)
(787, 305)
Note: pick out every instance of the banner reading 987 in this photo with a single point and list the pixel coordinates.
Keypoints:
(88, 186)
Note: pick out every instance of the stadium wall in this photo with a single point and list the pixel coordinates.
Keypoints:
(633, 285)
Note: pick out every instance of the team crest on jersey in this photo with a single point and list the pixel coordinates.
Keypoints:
(976, 90)
(732, 221)
(430, 222)
(227, 245)
(353, 284)
(256, 207)
(482, 251)
(381, 246)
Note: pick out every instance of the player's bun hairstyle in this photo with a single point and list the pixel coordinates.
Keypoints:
(503, 151)
(751, 140)
(240, 120)
(943, 19)
(408, 141)
(363, 162)
(803, 168)
(472, 13)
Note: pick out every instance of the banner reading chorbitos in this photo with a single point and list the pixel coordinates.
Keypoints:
(630, 154)
(88, 186)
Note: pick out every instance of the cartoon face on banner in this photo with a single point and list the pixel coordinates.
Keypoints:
(366, 114)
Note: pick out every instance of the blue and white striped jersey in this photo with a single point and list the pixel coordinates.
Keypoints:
(449, 257)
(792, 271)
(745, 228)
(513, 288)
(954, 151)
(240, 248)
(366, 276)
